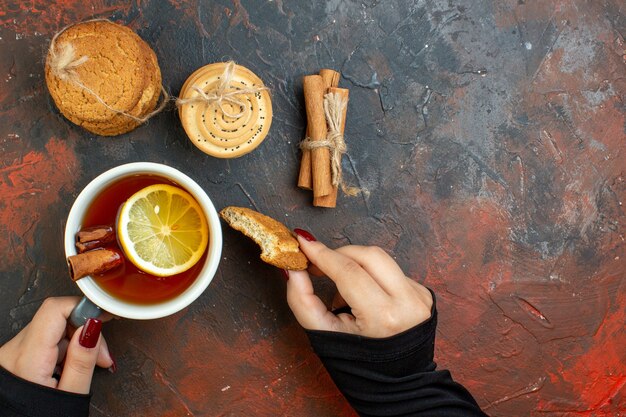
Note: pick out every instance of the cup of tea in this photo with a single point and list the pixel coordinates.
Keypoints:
(126, 291)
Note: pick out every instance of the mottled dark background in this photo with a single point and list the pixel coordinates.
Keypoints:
(489, 137)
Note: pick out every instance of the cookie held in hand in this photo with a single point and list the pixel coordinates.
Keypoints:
(279, 247)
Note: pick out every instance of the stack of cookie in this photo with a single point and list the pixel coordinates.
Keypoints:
(103, 77)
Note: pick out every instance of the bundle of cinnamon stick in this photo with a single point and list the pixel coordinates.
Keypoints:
(326, 108)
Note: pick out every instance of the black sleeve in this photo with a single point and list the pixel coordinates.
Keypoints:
(22, 398)
(394, 376)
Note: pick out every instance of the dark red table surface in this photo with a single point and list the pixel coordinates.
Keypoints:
(489, 136)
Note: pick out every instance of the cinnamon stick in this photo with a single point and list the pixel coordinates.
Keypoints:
(305, 180)
(87, 246)
(93, 262)
(320, 157)
(94, 237)
(330, 78)
(101, 233)
(330, 200)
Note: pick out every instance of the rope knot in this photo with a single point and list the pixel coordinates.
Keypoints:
(63, 62)
(219, 96)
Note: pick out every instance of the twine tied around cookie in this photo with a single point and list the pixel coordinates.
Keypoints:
(334, 106)
(63, 64)
(219, 95)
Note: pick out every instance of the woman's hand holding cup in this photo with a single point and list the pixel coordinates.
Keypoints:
(46, 353)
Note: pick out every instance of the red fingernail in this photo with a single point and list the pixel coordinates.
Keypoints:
(308, 236)
(91, 333)
(285, 274)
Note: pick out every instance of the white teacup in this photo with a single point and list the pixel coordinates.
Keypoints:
(121, 308)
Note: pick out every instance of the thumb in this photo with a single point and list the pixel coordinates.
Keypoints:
(82, 354)
(309, 310)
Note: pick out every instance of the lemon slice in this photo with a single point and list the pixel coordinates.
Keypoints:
(162, 230)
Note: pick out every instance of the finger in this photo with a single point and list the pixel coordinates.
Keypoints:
(309, 310)
(349, 322)
(103, 317)
(50, 320)
(423, 293)
(356, 286)
(82, 354)
(62, 349)
(379, 265)
(105, 359)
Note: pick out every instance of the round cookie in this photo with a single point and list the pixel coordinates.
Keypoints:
(216, 133)
(118, 68)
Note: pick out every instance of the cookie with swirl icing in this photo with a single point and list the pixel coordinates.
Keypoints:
(225, 109)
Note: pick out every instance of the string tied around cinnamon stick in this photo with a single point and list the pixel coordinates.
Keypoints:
(220, 95)
(63, 63)
(334, 105)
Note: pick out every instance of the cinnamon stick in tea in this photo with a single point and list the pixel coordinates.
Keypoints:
(330, 78)
(320, 157)
(94, 237)
(330, 200)
(91, 245)
(102, 233)
(93, 262)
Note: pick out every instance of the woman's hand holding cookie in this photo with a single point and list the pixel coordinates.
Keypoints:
(383, 300)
